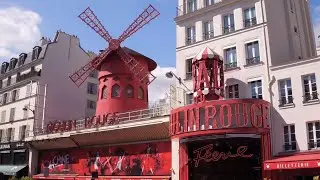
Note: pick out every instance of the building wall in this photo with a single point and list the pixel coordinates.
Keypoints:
(298, 113)
(64, 100)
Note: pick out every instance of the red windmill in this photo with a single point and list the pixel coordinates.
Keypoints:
(124, 75)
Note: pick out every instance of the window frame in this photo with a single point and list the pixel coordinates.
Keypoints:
(129, 86)
(313, 94)
(207, 30)
(315, 139)
(252, 18)
(256, 88)
(113, 90)
(234, 92)
(255, 59)
(291, 144)
(192, 38)
(288, 98)
(104, 92)
(230, 27)
(188, 66)
(233, 62)
(140, 93)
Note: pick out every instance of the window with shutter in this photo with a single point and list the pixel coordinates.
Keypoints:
(12, 113)
(3, 116)
(3, 135)
(12, 134)
(22, 132)
(25, 113)
(27, 131)
(28, 92)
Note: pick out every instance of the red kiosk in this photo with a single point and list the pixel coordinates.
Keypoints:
(219, 139)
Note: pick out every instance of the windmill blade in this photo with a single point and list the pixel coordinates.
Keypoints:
(138, 71)
(144, 18)
(91, 20)
(82, 74)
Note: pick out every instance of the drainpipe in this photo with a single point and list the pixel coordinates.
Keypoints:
(270, 81)
(44, 106)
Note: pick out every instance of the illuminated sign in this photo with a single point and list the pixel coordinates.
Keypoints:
(90, 122)
(220, 115)
(291, 165)
(206, 154)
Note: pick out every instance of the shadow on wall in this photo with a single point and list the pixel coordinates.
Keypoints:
(243, 88)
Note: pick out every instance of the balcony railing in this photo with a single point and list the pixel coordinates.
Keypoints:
(313, 145)
(228, 29)
(250, 22)
(285, 101)
(155, 110)
(230, 65)
(190, 40)
(253, 60)
(310, 97)
(290, 147)
(191, 6)
(208, 35)
(31, 74)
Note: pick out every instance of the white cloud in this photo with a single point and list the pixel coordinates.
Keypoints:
(19, 31)
(161, 85)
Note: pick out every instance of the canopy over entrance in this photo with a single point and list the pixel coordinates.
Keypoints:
(11, 170)
(298, 161)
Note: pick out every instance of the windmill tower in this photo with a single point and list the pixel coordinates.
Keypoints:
(124, 75)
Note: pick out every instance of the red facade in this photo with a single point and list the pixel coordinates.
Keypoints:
(130, 160)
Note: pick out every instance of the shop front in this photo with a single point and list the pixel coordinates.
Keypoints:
(109, 162)
(13, 159)
(300, 166)
(223, 139)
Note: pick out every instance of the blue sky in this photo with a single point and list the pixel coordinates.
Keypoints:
(156, 40)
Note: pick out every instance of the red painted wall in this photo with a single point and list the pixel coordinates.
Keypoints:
(134, 160)
(114, 71)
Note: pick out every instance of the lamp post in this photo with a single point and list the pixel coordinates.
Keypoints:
(170, 75)
(26, 108)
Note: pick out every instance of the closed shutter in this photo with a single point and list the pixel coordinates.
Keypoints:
(17, 93)
(8, 97)
(12, 134)
(28, 131)
(3, 135)
(1, 99)
(3, 116)
(12, 114)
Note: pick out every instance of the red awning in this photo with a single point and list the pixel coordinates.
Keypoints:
(298, 161)
(75, 177)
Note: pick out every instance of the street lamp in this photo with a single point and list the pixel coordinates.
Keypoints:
(26, 108)
(170, 75)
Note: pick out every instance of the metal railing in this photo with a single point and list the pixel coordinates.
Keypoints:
(310, 97)
(230, 65)
(253, 60)
(156, 110)
(250, 22)
(208, 35)
(228, 29)
(285, 101)
(290, 147)
(191, 6)
(313, 145)
(190, 40)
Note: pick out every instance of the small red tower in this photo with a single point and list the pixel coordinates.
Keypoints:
(124, 75)
(207, 74)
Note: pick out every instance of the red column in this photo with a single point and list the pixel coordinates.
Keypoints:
(265, 152)
(183, 161)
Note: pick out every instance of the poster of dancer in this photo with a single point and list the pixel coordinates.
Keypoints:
(134, 160)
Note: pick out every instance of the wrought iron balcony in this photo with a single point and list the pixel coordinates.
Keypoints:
(313, 145)
(310, 97)
(190, 40)
(286, 101)
(250, 22)
(230, 65)
(253, 60)
(228, 29)
(32, 73)
(290, 147)
(208, 35)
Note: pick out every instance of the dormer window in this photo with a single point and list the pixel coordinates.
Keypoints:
(22, 58)
(13, 63)
(36, 52)
(4, 67)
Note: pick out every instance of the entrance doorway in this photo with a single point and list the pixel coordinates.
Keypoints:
(225, 158)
